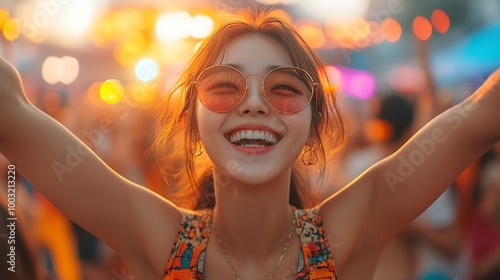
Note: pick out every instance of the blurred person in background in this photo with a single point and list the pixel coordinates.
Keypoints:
(485, 228)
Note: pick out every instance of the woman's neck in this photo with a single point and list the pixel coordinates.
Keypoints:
(253, 221)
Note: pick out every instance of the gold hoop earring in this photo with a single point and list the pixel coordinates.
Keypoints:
(312, 158)
(198, 150)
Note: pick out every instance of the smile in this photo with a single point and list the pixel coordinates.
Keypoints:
(253, 138)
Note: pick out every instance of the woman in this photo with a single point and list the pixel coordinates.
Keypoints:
(255, 100)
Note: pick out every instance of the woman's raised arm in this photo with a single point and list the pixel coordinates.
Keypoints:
(393, 192)
(128, 217)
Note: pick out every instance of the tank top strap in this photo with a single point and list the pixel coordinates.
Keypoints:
(315, 258)
(188, 254)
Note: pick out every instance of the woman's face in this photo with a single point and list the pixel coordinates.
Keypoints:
(253, 161)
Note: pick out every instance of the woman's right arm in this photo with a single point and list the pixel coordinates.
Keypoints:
(128, 217)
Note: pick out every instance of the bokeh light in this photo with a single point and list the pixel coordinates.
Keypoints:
(52, 69)
(335, 78)
(200, 26)
(312, 34)
(134, 42)
(12, 29)
(93, 93)
(440, 21)
(146, 70)
(378, 130)
(327, 9)
(64, 70)
(357, 83)
(111, 91)
(4, 16)
(375, 35)
(391, 30)
(405, 79)
(71, 69)
(422, 28)
(172, 27)
(78, 22)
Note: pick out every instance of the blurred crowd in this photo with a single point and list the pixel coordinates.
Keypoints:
(458, 237)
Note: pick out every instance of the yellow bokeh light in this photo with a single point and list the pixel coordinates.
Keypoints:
(123, 56)
(4, 16)
(12, 29)
(134, 42)
(111, 91)
(148, 19)
(102, 32)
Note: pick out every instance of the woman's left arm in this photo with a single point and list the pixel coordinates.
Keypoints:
(411, 179)
(362, 217)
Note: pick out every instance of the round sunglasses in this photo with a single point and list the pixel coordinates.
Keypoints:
(287, 89)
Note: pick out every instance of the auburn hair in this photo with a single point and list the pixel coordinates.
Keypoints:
(176, 143)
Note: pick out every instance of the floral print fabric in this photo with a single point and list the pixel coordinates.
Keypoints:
(187, 258)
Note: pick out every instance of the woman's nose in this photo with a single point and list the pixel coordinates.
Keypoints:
(254, 102)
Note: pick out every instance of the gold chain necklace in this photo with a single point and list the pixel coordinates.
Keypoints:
(229, 259)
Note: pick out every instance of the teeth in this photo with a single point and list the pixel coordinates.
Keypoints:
(252, 145)
(253, 134)
(262, 135)
(256, 135)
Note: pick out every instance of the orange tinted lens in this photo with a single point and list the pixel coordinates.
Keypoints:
(221, 88)
(288, 90)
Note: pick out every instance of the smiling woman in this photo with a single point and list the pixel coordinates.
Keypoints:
(250, 110)
(271, 67)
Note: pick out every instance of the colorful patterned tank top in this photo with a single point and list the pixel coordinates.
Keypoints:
(188, 254)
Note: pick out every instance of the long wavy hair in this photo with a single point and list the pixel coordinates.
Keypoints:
(191, 177)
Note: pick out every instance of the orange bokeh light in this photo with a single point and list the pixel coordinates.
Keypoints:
(422, 28)
(334, 78)
(313, 35)
(440, 21)
(391, 30)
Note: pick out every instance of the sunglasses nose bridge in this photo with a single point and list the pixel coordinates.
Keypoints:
(256, 85)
